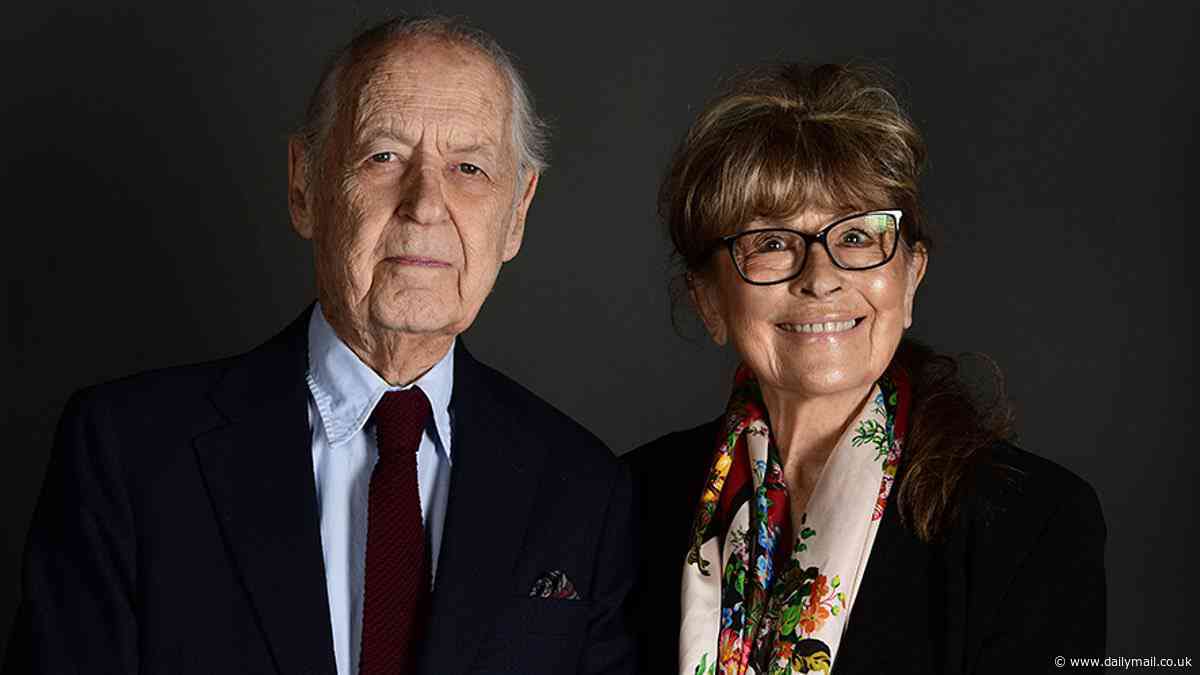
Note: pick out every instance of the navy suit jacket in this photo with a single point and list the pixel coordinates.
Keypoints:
(177, 531)
(1018, 580)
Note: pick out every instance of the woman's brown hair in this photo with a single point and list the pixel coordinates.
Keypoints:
(785, 138)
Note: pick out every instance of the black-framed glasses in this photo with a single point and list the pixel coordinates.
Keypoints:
(773, 255)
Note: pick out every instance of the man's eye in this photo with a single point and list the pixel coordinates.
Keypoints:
(383, 157)
(469, 169)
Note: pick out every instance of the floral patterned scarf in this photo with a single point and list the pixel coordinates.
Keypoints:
(768, 612)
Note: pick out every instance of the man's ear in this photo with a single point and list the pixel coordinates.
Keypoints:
(516, 233)
(707, 304)
(300, 204)
(918, 259)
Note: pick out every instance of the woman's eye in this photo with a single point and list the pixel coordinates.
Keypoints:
(469, 169)
(383, 157)
(855, 238)
(770, 245)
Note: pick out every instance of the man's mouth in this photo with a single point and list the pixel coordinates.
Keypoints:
(417, 261)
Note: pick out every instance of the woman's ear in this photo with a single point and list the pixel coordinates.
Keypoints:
(918, 259)
(708, 306)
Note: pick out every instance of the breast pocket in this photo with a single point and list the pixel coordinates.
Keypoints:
(534, 636)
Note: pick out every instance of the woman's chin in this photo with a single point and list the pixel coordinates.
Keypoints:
(811, 380)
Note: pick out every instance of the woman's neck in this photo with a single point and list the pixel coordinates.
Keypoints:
(806, 428)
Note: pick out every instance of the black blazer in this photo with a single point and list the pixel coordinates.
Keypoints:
(177, 531)
(1018, 580)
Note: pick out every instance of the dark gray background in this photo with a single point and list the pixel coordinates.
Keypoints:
(143, 172)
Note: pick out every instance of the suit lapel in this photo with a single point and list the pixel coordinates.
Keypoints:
(493, 482)
(259, 474)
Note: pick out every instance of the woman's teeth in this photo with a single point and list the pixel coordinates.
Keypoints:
(826, 327)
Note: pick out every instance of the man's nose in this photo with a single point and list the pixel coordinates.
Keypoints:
(819, 277)
(422, 198)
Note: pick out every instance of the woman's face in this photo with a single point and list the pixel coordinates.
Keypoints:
(825, 332)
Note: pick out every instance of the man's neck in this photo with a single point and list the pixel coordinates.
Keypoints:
(399, 358)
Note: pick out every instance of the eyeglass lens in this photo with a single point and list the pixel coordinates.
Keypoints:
(858, 243)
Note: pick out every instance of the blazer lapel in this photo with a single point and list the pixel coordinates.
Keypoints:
(259, 474)
(908, 604)
(493, 480)
(881, 608)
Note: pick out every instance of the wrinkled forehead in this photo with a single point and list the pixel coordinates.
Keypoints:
(433, 75)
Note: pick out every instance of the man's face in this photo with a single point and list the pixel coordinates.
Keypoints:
(416, 204)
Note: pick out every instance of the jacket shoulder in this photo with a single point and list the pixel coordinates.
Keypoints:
(671, 451)
(1023, 512)
(669, 474)
(1033, 555)
(527, 409)
(175, 395)
(160, 387)
(1011, 484)
(137, 422)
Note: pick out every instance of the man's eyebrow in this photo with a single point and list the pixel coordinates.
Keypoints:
(485, 147)
(382, 132)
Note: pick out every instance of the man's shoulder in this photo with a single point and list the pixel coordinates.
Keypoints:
(146, 413)
(183, 389)
(167, 388)
(529, 411)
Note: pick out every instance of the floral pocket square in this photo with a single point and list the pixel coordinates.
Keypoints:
(554, 584)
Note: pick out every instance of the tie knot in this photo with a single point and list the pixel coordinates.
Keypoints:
(400, 418)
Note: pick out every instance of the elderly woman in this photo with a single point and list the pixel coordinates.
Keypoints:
(853, 505)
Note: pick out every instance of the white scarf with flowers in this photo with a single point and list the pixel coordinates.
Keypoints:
(750, 618)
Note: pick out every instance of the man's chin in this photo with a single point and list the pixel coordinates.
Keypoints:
(430, 319)
(414, 325)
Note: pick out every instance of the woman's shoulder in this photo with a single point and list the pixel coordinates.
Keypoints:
(1031, 556)
(1013, 488)
(669, 452)
(669, 474)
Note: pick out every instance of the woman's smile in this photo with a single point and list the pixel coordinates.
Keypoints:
(821, 327)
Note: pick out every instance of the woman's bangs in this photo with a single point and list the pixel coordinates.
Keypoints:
(777, 172)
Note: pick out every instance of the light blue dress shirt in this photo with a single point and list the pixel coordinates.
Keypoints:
(343, 394)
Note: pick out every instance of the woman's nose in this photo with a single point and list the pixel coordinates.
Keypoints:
(819, 277)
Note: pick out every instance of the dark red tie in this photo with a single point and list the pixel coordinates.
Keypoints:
(396, 587)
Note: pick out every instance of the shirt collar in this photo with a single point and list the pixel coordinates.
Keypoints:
(346, 390)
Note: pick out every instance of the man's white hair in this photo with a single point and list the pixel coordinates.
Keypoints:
(530, 134)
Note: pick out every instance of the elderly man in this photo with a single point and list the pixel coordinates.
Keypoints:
(357, 495)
